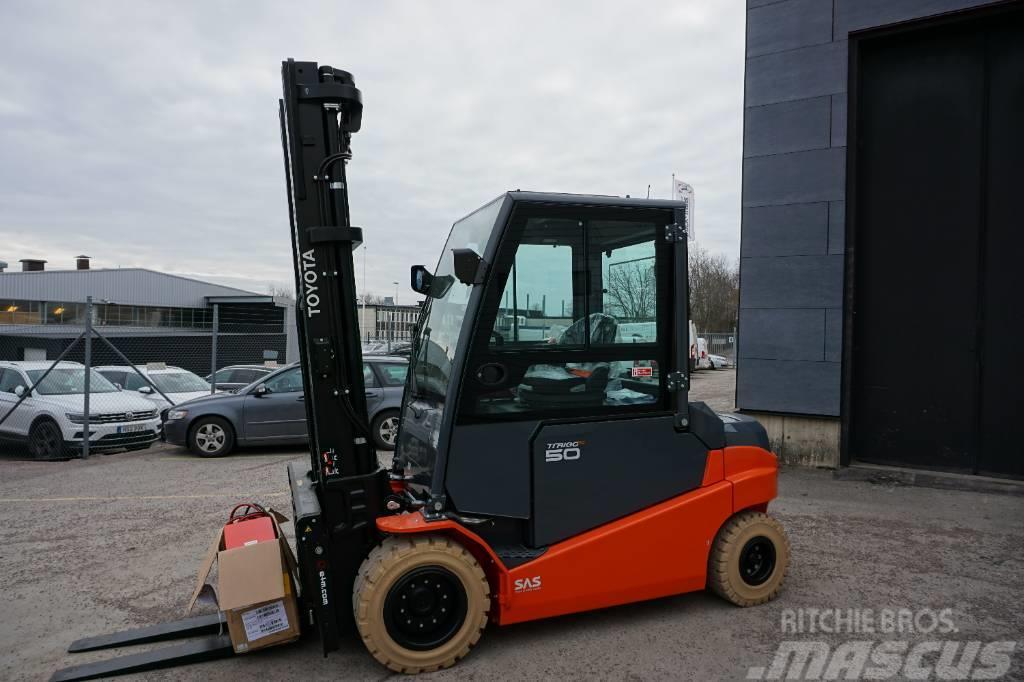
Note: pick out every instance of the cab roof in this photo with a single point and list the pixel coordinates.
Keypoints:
(590, 200)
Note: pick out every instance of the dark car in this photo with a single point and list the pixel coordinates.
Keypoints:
(272, 411)
(234, 377)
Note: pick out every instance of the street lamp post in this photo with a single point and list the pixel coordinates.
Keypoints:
(363, 316)
(394, 315)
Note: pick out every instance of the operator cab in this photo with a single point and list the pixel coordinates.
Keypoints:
(550, 327)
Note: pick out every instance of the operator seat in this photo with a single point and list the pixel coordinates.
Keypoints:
(572, 384)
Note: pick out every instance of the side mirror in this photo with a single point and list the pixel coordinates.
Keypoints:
(145, 390)
(19, 391)
(469, 266)
(421, 279)
(425, 283)
(261, 390)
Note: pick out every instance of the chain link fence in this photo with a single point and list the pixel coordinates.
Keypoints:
(720, 344)
(103, 384)
(387, 346)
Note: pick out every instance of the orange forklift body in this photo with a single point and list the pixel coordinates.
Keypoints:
(670, 540)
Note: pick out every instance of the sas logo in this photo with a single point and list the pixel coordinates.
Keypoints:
(527, 584)
(564, 452)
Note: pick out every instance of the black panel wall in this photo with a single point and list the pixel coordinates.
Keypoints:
(938, 152)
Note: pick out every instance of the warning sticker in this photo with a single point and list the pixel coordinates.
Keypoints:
(265, 620)
(643, 371)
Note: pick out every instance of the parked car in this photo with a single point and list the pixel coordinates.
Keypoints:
(702, 354)
(400, 349)
(176, 383)
(50, 420)
(272, 411)
(693, 346)
(234, 377)
(716, 361)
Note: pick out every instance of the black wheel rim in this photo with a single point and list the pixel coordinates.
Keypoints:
(757, 561)
(46, 440)
(425, 608)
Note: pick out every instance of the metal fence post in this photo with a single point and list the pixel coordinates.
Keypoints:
(213, 348)
(88, 372)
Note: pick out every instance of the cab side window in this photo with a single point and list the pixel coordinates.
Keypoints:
(577, 327)
(539, 303)
(369, 380)
(628, 278)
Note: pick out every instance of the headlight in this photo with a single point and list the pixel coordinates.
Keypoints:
(176, 414)
(75, 418)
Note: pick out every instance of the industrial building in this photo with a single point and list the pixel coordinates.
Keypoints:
(388, 321)
(883, 154)
(149, 316)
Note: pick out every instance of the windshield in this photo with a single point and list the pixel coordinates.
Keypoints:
(441, 320)
(438, 330)
(68, 381)
(179, 382)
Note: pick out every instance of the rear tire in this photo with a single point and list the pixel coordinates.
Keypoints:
(211, 437)
(749, 559)
(421, 603)
(385, 429)
(45, 440)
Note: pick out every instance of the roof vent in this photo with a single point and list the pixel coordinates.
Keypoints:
(32, 265)
(82, 262)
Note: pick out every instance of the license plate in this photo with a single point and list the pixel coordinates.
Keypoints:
(131, 428)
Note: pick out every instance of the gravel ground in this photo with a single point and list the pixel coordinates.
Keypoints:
(93, 546)
(716, 387)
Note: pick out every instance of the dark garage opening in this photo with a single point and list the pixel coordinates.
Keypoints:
(933, 359)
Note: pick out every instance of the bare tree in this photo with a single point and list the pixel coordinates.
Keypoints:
(376, 299)
(632, 289)
(714, 291)
(281, 292)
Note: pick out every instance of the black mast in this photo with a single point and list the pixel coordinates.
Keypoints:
(335, 529)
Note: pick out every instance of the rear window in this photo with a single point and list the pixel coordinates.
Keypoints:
(393, 373)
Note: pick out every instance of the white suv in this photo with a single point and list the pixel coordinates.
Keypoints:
(51, 419)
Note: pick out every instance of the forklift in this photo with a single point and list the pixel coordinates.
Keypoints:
(548, 460)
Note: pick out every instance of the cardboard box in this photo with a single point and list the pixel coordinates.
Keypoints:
(255, 589)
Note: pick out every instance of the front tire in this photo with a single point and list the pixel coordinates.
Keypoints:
(749, 559)
(385, 430)
(420, 604)
(45, 440)
(211, 437)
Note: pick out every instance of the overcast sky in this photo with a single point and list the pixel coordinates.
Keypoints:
(146, 134)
